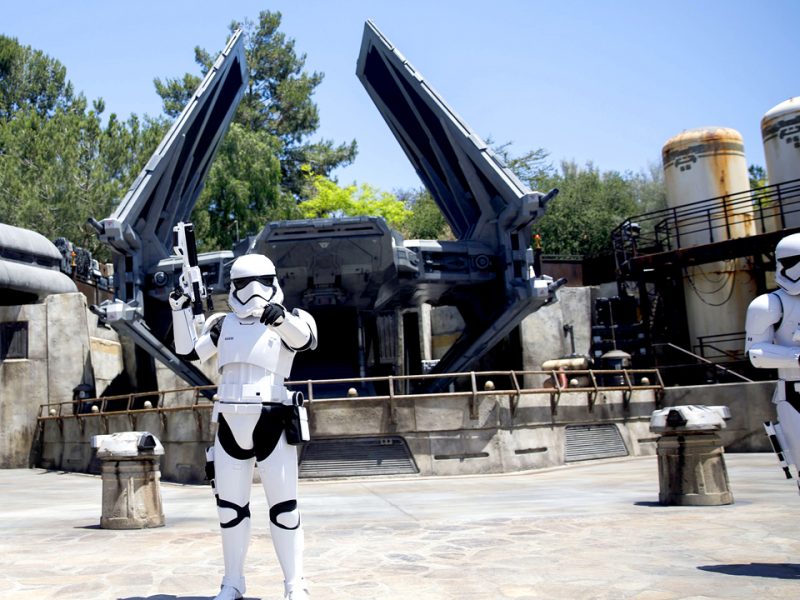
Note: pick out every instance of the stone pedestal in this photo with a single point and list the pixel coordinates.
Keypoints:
(131, 493)
(691, 470)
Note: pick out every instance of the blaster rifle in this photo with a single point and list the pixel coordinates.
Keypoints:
(191, 279)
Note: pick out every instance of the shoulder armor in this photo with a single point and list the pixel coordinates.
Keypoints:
(215, 319)
(764, 312)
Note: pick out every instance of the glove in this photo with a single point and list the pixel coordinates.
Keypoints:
(178, 300)
(273, 315)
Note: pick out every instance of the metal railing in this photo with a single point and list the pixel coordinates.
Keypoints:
(726, 346)
(749, 212)
(472, 385)
(707, 363)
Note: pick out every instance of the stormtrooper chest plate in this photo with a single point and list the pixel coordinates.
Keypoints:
(250, 342)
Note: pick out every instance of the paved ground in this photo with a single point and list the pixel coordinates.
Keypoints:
(592, 530)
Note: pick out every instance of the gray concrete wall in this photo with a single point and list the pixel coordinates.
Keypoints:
(750, 404)
(66, 444)
(58, 360)
(69, 361)
(23, 387)
(441, 433)
(532, 437)
(542, 333)
(65, 349)
(106, 353)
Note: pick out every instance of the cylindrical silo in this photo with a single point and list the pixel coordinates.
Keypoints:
(780, 133)
(700, 164)
(705, 164)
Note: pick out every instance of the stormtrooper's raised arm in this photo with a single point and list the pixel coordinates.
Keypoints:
(773, 336)
(297, 329)
(763, 316)
(188, 343)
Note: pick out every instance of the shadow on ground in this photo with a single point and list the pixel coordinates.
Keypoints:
(167, 597)
(770, 570)
(173, 597)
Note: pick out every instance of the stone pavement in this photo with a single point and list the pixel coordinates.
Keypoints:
(584, 531)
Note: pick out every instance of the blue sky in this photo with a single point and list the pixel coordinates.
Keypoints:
(607, 82)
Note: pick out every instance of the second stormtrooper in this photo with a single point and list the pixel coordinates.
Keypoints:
(773, 342)
(255, 347)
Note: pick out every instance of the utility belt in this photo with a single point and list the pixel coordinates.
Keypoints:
(293, 413)
(261, 391)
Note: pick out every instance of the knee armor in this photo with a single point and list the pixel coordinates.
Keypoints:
(289, 508)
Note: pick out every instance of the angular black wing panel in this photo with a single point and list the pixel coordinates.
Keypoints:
(488, 273)
(167, 189)
(470, 186)
(140, 230)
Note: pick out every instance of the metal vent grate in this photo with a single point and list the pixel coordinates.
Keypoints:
(357, 457)
(587, 442)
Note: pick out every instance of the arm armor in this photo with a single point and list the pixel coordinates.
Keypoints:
(763, 316)
(298, 330)
(183, 331)
(187, 343)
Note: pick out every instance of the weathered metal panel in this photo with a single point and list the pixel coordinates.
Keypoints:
(357, 457)
(587, 442)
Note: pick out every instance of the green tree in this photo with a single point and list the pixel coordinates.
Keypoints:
(590, 203)
(278, 104)
(29, 79)
(242, 188)
(425, 221)
(532, 167)
(59, 164)
(649, 189)
(588, 207)
(330, 200)
(757, 175)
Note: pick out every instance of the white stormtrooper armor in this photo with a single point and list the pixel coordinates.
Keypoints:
(773, 342)
(255, 347)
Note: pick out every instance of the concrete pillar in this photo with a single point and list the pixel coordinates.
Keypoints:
(691, 470)
(131, 494)
(131, 480)
(691, 464)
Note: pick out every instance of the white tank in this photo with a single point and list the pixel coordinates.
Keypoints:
(701, 164)
(780, 133)
(705, 163)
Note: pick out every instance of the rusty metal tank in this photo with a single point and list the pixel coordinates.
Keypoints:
(701, 164)
(702, 167)
(780, 133)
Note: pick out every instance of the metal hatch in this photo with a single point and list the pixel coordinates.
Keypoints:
(471, 187)
(357, 457)
(589, 442)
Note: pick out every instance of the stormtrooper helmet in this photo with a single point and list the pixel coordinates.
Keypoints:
(787, 264)
(254, 284)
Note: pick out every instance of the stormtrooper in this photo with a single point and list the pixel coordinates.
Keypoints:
(255, 346)
(773, 342)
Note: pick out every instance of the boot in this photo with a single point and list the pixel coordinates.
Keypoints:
(299, 592)
(228, 592)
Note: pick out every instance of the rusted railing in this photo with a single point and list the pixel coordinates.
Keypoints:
(744, 213)
(479, 384)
